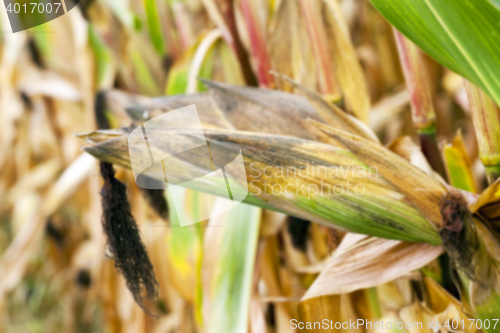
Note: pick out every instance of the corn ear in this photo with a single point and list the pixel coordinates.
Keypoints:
(320, 192)
(422, 189)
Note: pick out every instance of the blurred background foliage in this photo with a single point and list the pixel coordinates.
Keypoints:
(248, 276)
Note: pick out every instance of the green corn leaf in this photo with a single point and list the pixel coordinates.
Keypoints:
(42, 40)
(229, 257)
(495, 3)
(102, 55)
(185, 250)
(154, 26)
(144, 77)
(461, 35)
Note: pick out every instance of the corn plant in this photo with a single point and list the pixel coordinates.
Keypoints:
(369, 136)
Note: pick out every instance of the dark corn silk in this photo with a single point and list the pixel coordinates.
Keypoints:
(123, 238)
(156, 200)
(83, 278)
(299, 231)
(54, 233)
(124, 241)
(457, 232)
(84, 6)
(100, 110)
(35, 54)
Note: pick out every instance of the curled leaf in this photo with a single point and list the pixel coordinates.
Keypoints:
(363, 262)
(332, 114)
(265, 111)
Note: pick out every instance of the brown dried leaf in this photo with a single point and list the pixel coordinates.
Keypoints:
(387, 109)
(14, 260)
(255, 17)
(332, 114)
(312, 13)
(364, 262)
(266, 111)
(417, 313)
(405, 148)
(289, 46)
(349, 72)
(210, 115)
(317, 309)
(488, 203)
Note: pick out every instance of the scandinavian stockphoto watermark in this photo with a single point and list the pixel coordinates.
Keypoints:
(26, 14)
(162, 147)
(359, 324)
(449, 325)
(332, 180)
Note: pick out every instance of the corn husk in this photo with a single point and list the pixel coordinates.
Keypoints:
(387, 215)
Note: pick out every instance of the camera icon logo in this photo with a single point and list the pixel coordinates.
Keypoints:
(173, 147)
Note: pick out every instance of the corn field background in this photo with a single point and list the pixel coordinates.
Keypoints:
(407, 89)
